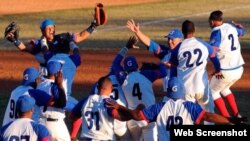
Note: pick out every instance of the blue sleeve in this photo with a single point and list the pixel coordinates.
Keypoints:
(194, 109)
(37, 47)
(240, 31)
(42, 98)
(77, 110)
(41, 131)
(153, 75)
(76, 58)
(215, 38)
(174, 55)
(159, 50)
(118, 70)
(152, 111)
(3, 129)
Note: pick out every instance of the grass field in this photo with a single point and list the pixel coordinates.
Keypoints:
(156, 19)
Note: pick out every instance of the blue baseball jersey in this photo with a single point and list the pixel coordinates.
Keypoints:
(24, 129)
(163, 53)
(97, 120)
(170, 112)
(225, 38)
(137, 86)
(191, 57)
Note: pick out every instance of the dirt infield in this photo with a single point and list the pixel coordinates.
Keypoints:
(26, 6)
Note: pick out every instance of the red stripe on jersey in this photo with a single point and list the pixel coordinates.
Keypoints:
(141, 114)
(48, 138)
(198, 120)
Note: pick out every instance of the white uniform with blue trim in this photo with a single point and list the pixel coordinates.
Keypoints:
(226, 38)
(10, 112)
(191, 57)
(57, 128)
(24, 129)
(170, 112)
(97, 124)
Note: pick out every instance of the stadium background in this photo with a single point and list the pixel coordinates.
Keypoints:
(156, 18)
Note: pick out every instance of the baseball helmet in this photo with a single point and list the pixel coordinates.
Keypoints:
(130, 64)
(29, 76)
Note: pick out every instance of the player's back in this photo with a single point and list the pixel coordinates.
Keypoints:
(10, 112)
(229, 52)
(138, 89)
(96, 123)
(179, 112)
(23, 128)
(192, 60)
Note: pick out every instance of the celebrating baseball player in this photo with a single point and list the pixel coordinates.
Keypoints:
(225, 39)
(97, 120)
(174, 111)
(161, 51)
(137, 88)
(50, 42)
(24, 128)
(190, 58)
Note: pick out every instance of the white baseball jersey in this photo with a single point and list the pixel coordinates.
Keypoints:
(138, 89)
(10, 112)
(225, 37)
(191, 57)
(50, 112)
(179, 112)
(24, 129)
(96, 122)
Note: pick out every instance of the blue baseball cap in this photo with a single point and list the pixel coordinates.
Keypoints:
(45, 23)
(25, 103)
(29, 76)
(130, 63)
(53, 67)
(175, 33)
(174, 89)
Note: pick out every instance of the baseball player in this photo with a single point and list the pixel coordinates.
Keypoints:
(53, 117)
(24, 128)
(29, 82)
(98, 124)
(137, 88)
(174, 111)
(161, 51)
(225, 39)
(190, 58)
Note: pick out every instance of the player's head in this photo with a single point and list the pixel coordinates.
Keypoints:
(30, 75)
(174, 89)
(48, 29)
(104, 86)
(53, 67)
(174, 38)
(25, 105)
(188, 29)
(215, 18)
(130, 64)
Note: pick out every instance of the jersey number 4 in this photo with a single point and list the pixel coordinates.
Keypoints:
(136, 91)
(92, 119)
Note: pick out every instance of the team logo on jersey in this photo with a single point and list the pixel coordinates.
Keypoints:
(129, 63)
(26, 77)
(174, 89)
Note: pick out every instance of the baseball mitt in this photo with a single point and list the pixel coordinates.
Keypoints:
(12, 32)
(100, 14)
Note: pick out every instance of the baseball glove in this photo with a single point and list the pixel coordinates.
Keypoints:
(100, 14)
(12, 32)
(149, 66)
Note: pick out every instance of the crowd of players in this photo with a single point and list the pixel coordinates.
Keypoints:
(122, 103)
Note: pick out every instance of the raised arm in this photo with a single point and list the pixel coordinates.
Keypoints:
(136, 29)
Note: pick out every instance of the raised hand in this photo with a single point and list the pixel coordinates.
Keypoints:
(133, 26)
(131, 42)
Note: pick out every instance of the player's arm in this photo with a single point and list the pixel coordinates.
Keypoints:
(136, 29)
(212, 117)
(153, 75)
(240, 29)
(75, 116)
